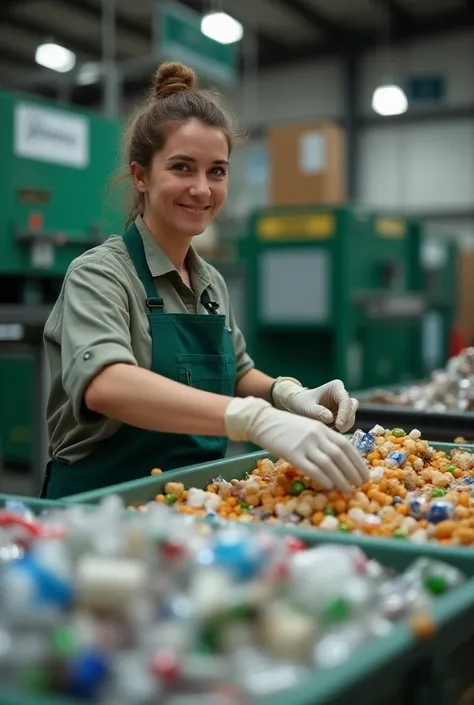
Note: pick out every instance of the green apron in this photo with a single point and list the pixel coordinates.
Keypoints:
(194, 349)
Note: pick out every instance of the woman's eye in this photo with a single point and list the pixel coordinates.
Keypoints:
(182, 167)
(219, 171)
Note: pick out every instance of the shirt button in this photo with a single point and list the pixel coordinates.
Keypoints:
(87, 356)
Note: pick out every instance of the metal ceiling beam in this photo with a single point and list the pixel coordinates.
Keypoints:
(43, 31)
(13, 56)
(429, 26)
(439, 23)
(123, 24)
(398, 15)
(318, 20)
(8, 5)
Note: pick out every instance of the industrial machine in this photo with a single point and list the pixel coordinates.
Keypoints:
(335, 293)
(441, 285)
(58, 163)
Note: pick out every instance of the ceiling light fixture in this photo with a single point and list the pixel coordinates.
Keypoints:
(222, 28)
(389, 99)
(55, 57)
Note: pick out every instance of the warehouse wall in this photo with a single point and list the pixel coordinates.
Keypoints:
(451, 56)
(420, 163)
(309, 90)
(423, 162)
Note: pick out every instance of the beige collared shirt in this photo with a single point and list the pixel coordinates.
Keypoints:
(100, 319)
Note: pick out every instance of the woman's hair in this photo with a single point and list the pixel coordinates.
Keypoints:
(174, 98)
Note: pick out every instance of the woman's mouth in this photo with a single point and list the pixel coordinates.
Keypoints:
(194, 209)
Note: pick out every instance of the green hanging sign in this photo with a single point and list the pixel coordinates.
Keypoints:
(178, 37)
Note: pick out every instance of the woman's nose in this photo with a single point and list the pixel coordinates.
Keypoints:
(200, 186)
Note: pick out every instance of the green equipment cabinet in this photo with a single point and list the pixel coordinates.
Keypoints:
(56, 201)
(441, 286)
(17, 372)
(57, 165)
(335, 293)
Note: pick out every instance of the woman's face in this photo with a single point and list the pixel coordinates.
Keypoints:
(186, 184)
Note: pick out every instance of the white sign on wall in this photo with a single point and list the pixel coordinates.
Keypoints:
(312, 152)
(51, 135)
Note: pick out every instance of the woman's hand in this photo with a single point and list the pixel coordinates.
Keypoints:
(330, 403)
(309, 445)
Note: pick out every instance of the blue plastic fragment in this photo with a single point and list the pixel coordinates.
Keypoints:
(86, 674)
(366, 443)
(49, 588)
(440, 511)
(240, 557)
(16, 506)
(398, 456)
(417, 508)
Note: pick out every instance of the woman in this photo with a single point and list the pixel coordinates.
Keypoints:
(148, 367)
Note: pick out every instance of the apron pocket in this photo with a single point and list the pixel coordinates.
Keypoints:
(210, 373)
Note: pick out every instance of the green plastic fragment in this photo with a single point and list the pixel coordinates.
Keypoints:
(336, 611)
(436, 584)
(297, 487)
(399, 534)
(63, 641)
(438, 492)
(398, 432)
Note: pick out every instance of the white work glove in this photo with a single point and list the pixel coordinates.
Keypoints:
(308, 445)
(329, 403)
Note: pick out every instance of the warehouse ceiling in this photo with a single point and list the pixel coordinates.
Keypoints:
(287, 31)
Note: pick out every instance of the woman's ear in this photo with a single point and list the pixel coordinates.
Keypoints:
(138, 174)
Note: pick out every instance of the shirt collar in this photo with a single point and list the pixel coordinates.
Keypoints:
(159, 262)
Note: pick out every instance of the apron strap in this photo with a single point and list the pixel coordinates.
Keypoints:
(210, 306)
(134, 244)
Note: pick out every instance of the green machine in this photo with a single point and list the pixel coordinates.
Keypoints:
(335, 293)
(441, 286)
(58, 163)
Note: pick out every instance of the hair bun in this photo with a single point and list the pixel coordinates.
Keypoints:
(173, 77)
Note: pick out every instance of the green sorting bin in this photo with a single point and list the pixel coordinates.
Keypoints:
(395, 670)
(35, 504)
(146, 489)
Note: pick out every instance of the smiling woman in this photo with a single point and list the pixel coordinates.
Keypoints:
(148, 366)
(180, 137)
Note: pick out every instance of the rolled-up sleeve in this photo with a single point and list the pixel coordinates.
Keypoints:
(95, 328)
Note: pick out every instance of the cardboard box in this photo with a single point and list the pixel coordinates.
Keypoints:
(466, 295)
(307, 164)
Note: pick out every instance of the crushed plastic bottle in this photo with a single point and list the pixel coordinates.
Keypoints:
(157, 608)
(448, 389)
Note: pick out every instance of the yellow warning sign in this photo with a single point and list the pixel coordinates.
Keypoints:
(313, 226)
(390, 227)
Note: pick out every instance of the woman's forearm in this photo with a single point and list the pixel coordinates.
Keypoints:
(255, 384)
(141, 398)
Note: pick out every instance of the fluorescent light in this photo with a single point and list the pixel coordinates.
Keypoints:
(89, 73)
(55, 57)
(389, 99)
(222, 28)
